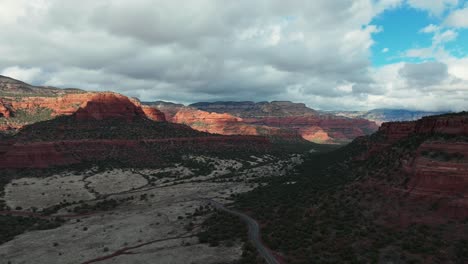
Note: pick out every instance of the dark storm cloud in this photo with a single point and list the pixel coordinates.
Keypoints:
(424, 74)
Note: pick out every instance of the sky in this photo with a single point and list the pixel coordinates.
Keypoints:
(330, 55)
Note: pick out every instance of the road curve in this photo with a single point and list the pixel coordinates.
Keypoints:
(254, 232)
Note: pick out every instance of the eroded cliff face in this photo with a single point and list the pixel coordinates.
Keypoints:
(329, 128)
(4, 109)
(426, 163)
(107, 105)
(278, 119)
(224, 124)
(20, 111)
(456, 124)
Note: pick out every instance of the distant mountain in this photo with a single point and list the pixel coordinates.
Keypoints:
(16, 88)
(248, 109)
(386, 115)
(312, 125)
(274, 119)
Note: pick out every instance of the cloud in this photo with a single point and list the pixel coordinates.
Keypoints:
(424, 74)
(430, 29)
(29, 75)
(385, 50)
(435, 7)
(317, 52)
(458, 18)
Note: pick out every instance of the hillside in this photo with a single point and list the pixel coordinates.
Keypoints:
(399, 195)
(10, 87)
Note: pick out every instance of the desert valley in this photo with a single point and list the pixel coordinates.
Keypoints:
(233, 132)
(92, 177)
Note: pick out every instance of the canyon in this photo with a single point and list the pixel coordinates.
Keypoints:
(111, 167)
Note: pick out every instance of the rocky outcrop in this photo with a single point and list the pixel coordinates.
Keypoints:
(440, 167)
(69, 104)
(169, 109)
(427, 163)
(154, 114)
(109, 105)
(449, 124)
(215, 123)
(4, 109)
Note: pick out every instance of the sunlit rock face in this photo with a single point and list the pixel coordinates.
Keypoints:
(277, 119)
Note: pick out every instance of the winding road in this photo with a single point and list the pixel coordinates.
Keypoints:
(254, 232)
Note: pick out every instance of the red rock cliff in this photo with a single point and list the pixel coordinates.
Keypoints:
(109, 105)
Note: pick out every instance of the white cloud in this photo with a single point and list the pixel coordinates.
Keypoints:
(315, 52)
(430, 29)
(435, 7)
(24, 74)
(385, 50)
(443, 37)
(458, 18)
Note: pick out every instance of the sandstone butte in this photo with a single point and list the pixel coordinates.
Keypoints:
(438, 168)
(68, 104)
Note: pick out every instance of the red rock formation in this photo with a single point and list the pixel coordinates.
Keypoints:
(154, 114)
(315, 134)
(68, 104)
(296, 117)
(4, 109)
(63, 105)
(447, 124)
(309, 126)
(112, 127)
(224, 124)
(437, 171)
(109, 105)
(331, 129)
(440, 167)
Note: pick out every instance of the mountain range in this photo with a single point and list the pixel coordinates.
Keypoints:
(22, 104)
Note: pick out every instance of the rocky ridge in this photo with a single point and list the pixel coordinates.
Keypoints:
(277, 118)
(111, 127)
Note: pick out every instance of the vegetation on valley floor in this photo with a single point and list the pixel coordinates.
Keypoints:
(221, 228)
(323, 215)
(11, 226)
